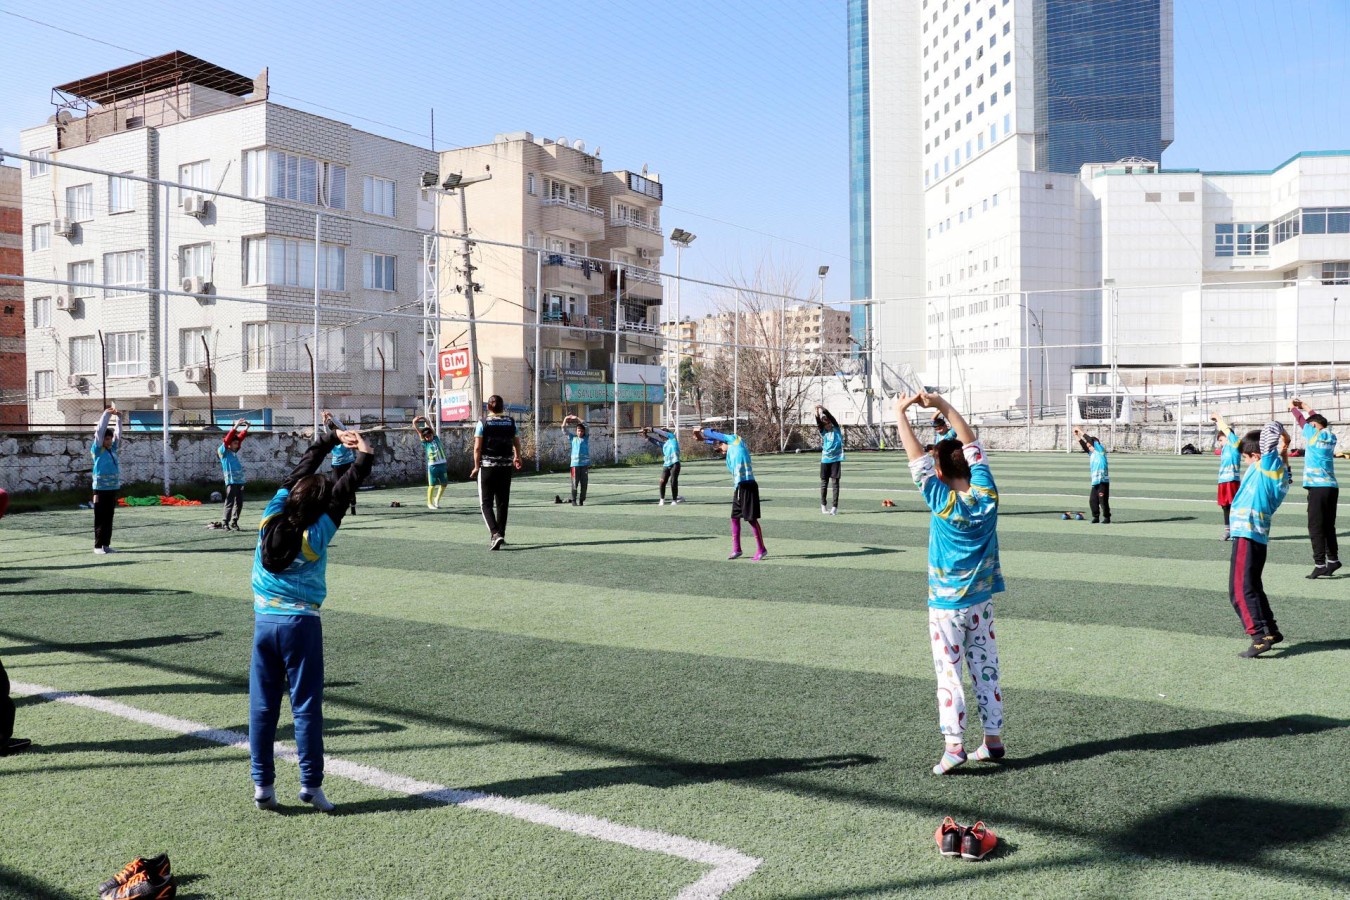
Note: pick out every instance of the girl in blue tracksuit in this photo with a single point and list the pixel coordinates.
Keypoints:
(1319, 480)
(289, 587)
(831, 457)
(1099, 498)
(745, 500)
(233, 470)
(342, 457)
(669, 445)
(107, 476)
(579, 443)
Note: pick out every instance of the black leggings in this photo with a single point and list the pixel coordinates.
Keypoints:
(1099, 501)
(829, 472)
(494, 497)
(105, 504)
(6, 709)
(1322, 523)
(671, 474)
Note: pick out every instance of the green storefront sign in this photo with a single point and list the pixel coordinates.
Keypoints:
(604, 393)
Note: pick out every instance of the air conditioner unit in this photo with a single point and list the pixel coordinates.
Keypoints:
(196, 284)
(642, 253)
(64, 227)
(195, 374)
(78, 382)
(196, 205)
(67, 304)
(152, 385)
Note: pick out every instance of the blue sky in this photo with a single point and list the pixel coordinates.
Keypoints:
(741, 107)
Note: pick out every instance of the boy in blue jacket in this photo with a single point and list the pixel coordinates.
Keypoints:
(669, 445)
(1263, 488)
(289, 586)
(107, 476)
(579, 446)
(1319, 480)
(1099, 498)
(233, 470)
(745, 499)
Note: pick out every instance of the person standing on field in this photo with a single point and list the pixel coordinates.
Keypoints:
(496, 454)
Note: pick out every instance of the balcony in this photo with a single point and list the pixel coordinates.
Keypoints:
(640, 336)
(571, 274)
(572, 219)
(641, 238)
(642, 283)
(579, 330)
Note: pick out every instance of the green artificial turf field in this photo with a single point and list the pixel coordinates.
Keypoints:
(625, 713)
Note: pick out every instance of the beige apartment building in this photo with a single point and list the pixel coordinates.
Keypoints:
(815, 337)
(589, 242)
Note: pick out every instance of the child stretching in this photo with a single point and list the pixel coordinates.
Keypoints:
(228, 451)
(1099, 498)
(437, 477)
(342, 457)
(745, 500)
(107, 476)
(579, 442)
(289, 586)
(1230, 469)
(831, 457)
(1261, 491)
(1319, 480)
(963, 576)
(669, 445)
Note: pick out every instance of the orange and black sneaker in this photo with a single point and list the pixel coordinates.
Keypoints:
(948, 837)
(979, 842)
(157, 866)
(142, 886)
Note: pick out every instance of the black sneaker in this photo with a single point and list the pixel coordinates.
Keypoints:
(15, 745)
(948, 837)
(1259, 645)
(1318, 572)
(1274, 637)
(143, 887)
(1333, 565)
(156, 867)
(497, 541)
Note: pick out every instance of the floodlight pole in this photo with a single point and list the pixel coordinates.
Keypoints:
(681, 239)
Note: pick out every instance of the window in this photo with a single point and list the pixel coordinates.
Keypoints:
(195, 261)
(191, 350)
(378, 196)
(42, 312)
(1332, 220)
(1286, 227)
(39, 167)
(83, 355)
(42, 237)
(380, 341)
(126, 269)
(80, 202)
(286, 176)
(280, 347)
(82, 272)
(1241, 239)
(1335, 273)
(530, 186)
(1186, 197)
(126, 354)
(121, 194)
(1153, 197)
(284, 262)
(44, 384)
(377, 272)
(195, 178)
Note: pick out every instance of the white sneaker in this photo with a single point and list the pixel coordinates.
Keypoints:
(834, 510)
(100, 550)
(109, 550)
(677, 500)
(431, 506)
(823, 510)
(662, 502)
(315, 798)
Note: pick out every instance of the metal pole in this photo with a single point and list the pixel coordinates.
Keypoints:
(782, 372)
(1297, 304)
(1115, 376)
(314, 364)
(1335, 383)
(869, 360)
(103, 366)
(618, 314)
(474, 364)
(210, 386)
(1026, 360)
(538, 354)
(1204, 394)
(380, 350)
(679, 334)
(736, 368)
(164, 343)
(823, 322)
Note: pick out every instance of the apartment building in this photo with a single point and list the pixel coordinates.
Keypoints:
(13, 371)
(342, 208)
(812, 338)
(587, 244)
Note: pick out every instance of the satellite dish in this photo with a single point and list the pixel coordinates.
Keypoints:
(563, 141)
(644, 168)
(64, 117)
(596, 152)
(579, 145)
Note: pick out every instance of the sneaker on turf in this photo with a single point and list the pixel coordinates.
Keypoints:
(662, 502)
(823, 510)
(1333, 565)
(1275, 637)
(1259, 645)
(979, 842)
(100, 550)
(735, 554)
(315, 798)
(15, 745)
(834, 510)
(496, 543)
(141, 885)
(677, 500)
(1227, 534)
(1317, 572)
(948, 837)
(155, 865)
(760, 555)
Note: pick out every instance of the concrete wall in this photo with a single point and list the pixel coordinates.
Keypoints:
(45, 461)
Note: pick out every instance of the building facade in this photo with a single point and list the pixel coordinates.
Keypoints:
(14, 386)
(970, 123)
(586, 242)
(343, 209)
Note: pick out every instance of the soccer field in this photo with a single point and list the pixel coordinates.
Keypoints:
(610, 708)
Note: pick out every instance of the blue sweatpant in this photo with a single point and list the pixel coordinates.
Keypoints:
(286, 649)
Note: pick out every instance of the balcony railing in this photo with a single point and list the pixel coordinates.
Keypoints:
(653, 227)
(573, 204)
(649, 276)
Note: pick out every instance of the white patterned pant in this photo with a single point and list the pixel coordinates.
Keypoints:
(965, 637)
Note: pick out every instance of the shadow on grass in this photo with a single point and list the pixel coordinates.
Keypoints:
(97, 647)
(610, 543)
(1314, 647)
(1117, 520)
(1180, 739)
(865, 551)
(1251, 828)
(28, 887)
(127, 591)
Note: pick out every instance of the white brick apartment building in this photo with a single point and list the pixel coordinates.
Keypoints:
(179, 118)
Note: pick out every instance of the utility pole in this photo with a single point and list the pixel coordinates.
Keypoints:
(456, 183)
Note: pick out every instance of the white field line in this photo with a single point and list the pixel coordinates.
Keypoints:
(730, 867)
(904, 490)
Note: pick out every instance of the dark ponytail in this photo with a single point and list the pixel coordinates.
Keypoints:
(283, 536)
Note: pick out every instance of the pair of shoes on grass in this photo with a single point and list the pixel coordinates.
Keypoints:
(973, 843)
(266, 798)
(145, 878)
(1262, 644)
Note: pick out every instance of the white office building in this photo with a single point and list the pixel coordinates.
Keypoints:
(182, 119)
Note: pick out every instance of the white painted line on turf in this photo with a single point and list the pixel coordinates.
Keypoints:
(730, 867)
